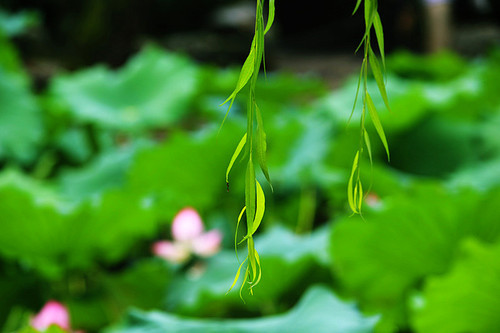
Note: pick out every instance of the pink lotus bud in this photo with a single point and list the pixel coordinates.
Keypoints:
(173, 252)
(187, 225)
(207, 244)
(53, 313)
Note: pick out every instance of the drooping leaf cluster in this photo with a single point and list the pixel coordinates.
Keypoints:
(253, 139)
(370, 62)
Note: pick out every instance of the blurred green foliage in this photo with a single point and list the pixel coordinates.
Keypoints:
(95, 166)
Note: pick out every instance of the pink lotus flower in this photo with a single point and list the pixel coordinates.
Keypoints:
(52, 313)
(170, 251)
(189, 238)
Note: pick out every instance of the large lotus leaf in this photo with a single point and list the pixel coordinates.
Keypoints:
(53, 236)
(482, 176)
(467, 298)
(187, 170)
(20, 120)
(382, 257)
(319, 310)
(286, 259)
(107, 171)
(152, 90)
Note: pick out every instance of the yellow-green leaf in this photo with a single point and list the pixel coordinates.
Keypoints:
(379, 32)
(270, 17)
(235, 155)
(370, 10)
(379, 78)
(360, 195)
(357, 92)
(251, 259)
(236, 232)
(250, 195)
(257, 259)
(350, 189)
(236, 277)
(245, 74)
(261, 207)
(262, 146)
(357, 6)
(376, 122)
(368, 145)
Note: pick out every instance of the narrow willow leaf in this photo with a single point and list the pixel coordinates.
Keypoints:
(251, 259)
(350, 189)
(270, 18)
(235, 155)
(361, 43)
(355, 196)
(262, 146)
(369, 17)
(370, 10)
(245, 74)
(379, 32)
(245, 278)
(250, 195)
(357, 6)
(236, 277)
(379, 78)
(261, 207)
(236, 232)
(259, 276)
(357, 92)
(376, 122)
(368, 145)
(360, 195)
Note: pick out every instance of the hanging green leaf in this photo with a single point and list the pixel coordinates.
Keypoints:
(379, 32)
(350, 190)
(357, 90)
(236, 277)
(261, 207)
(377, 123)
(379, 78)
(254, 195)
(235, 156)
(270, 17)
(372, 19)
(262, 146)
(250, 194)
(357, 6)
(236, 232)
(368, 145)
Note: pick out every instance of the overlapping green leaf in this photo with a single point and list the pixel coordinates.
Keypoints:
(21, 127)
(285, 257)
(467, 298)
(319, 310)
(51, 236)
(382, 258)
(154, 89)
